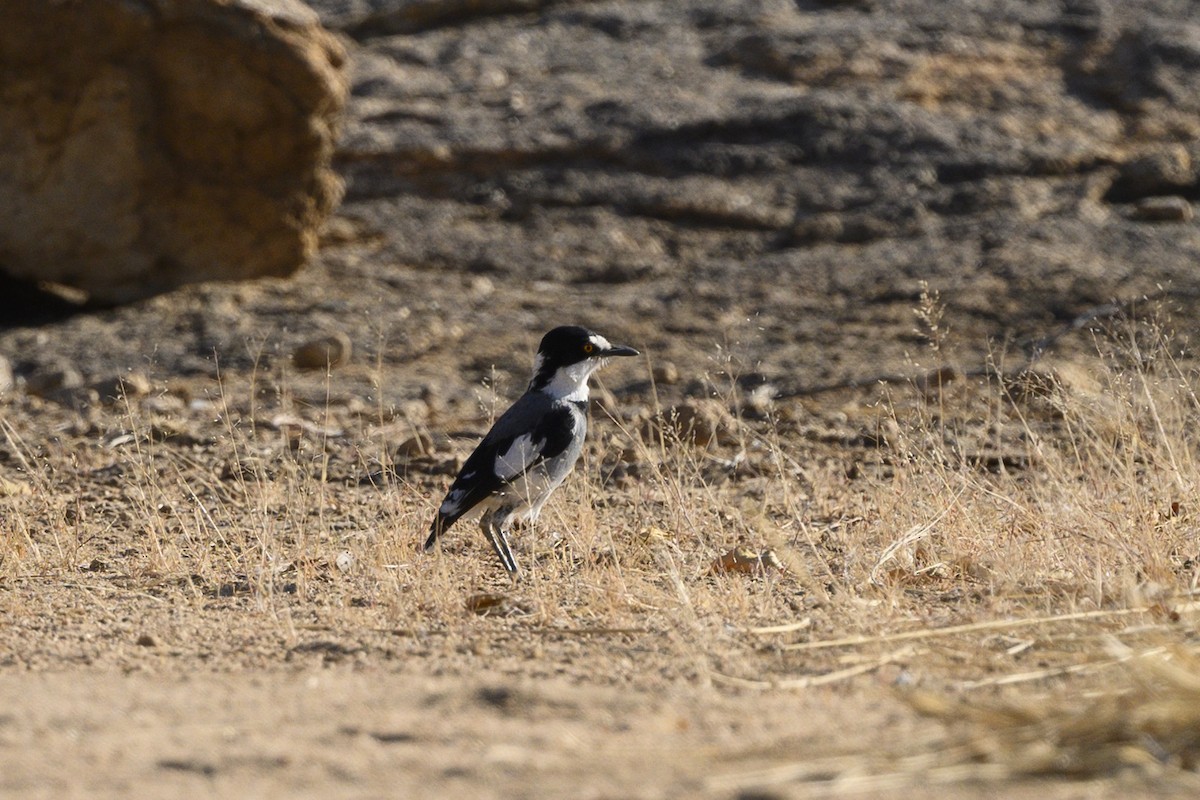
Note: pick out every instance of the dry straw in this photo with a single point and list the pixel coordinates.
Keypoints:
(1153, 724)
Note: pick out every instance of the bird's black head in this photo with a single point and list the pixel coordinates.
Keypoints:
(571, 345)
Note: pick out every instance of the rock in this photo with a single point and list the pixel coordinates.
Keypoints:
(1064, 384)
(813, 228)
(420, 444)
(6, 375)
(14, 489)
(415, 410)
(1161, 171)
(932, 382)
(604, 403)
(52, 380)
(324, 353)
(665, 373)
(129, 385)
(701, 423)
(760, 401)
(746, 561)
(840, 148)
(1171, 208)
(173, 141)
(779, 174)
(482, 286)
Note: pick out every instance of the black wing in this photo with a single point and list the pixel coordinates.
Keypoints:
(538, 429)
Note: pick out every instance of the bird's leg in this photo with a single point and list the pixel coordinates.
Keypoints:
(499, 541)
(506, 554)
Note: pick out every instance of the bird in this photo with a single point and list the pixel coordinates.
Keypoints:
(533, 446)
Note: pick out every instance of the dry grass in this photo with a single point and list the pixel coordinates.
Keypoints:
(1152, 723)
(1008, 537)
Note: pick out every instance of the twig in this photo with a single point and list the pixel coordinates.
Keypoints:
(785, 628)
(594, 631)
(838, 774)
(991, 625)
(1051, 672)
(809, 681)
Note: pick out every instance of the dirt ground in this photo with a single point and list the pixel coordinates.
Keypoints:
(176, 621)
(374, 733)
(356, 732)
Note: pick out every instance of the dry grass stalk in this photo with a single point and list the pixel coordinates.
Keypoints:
(1154, 724)
(1151, 726)
(973, 627)
(824, 679)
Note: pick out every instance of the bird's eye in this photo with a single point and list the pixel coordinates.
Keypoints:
(589, 347)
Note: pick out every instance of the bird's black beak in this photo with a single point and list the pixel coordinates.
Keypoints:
(619, 350)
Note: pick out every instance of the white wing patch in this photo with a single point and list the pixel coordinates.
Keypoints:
(452, 502)
(520, 454)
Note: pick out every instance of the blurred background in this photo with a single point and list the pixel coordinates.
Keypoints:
(766, 184)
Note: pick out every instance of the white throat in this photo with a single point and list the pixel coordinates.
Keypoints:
(570, 383)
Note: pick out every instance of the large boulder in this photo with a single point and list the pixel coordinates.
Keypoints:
(162, 142)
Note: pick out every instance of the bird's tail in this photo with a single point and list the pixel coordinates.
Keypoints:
(439, 526)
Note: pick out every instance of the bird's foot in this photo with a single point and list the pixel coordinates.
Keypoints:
(499, 541)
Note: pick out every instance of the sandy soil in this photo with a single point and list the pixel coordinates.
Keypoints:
(365, 732)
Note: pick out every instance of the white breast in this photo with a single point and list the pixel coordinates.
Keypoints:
(570, 383)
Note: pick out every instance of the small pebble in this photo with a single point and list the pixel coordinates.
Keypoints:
(419, 445)
(129, 385)
(666, 373)
(323, 353)
(52, 379)
(700, 423)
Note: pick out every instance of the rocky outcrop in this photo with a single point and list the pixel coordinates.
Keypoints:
(1030, 158)
(777, 176)
(161, 142)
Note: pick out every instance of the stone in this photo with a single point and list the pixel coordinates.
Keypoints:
(419, 444)
(127, 386)
(665, 373)
(1162, 171)
(52, 379)
(702, 423)
(1171, 208)
(173, 141)
(325, 352)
